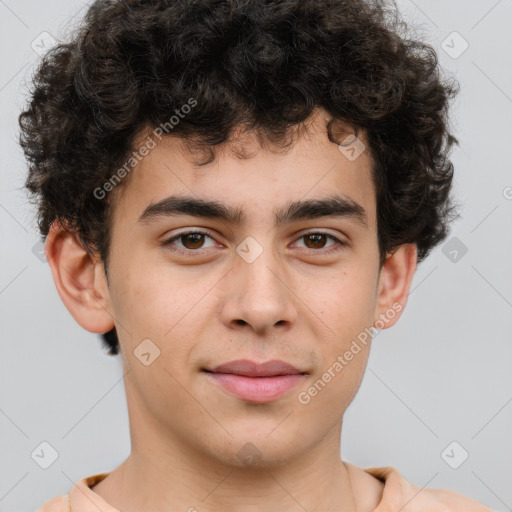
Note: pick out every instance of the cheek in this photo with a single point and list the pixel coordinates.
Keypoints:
(151, 298)
(345, 303)
(150, 308)
(168, 308)
(338, 386)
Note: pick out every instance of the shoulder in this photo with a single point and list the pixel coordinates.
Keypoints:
(81, 496)
(399, 494)
(57, 504)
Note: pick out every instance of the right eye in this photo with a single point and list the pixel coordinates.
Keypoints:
(191, 241)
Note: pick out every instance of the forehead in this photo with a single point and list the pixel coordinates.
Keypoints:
(252, 178)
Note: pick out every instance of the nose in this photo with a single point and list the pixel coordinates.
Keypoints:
(258, 296)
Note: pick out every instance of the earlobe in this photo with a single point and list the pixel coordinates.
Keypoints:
(394, 284)
(79, 278)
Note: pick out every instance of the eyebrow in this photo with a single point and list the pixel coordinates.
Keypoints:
(333, 206)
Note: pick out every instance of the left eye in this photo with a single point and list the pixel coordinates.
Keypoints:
(316, 239)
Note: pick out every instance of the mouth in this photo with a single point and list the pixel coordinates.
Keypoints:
(257, 383)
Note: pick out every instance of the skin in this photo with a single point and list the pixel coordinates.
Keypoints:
(296, 302)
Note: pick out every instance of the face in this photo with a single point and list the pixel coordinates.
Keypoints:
(262, 275)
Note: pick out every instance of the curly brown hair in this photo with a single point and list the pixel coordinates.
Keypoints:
(264, 64)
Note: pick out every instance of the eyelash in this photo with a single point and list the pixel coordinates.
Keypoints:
(340, 245)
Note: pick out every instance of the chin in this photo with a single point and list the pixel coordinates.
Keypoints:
(259, 451)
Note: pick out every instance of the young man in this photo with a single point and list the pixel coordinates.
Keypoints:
(236, 194)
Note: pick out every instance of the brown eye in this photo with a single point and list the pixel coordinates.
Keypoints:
(189, 242)
(318, 242)
(192, 240)
(315, 240)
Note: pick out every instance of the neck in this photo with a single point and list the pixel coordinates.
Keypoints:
(142, 484)
(168, 471)
(170, 475)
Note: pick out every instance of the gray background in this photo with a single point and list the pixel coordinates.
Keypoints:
(442, 374)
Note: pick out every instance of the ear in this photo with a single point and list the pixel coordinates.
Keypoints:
(79, 278)
(394, 283)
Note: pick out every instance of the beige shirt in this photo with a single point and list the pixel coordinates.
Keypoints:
(397, 493)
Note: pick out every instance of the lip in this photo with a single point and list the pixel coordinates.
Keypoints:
(249, 368)
(256, 382)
